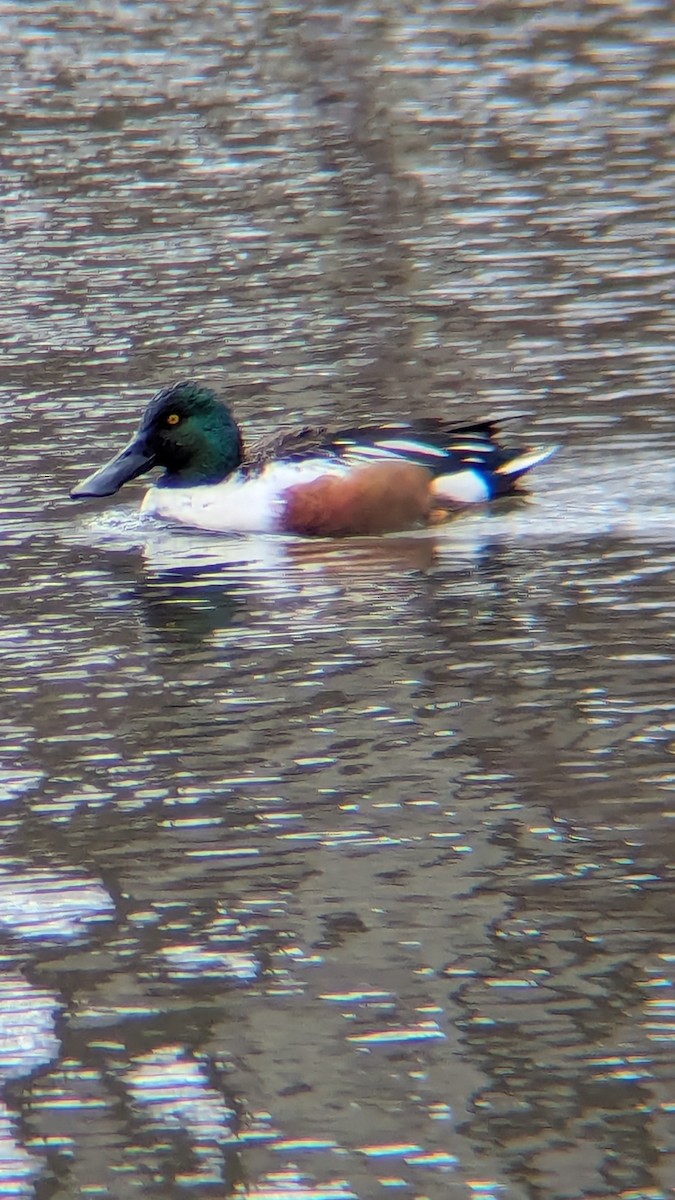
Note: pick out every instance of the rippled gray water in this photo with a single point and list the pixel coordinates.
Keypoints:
(339, 871)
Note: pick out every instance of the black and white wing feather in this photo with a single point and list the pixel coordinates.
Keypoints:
(466, 461)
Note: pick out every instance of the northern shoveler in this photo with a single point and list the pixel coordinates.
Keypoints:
(366, 479)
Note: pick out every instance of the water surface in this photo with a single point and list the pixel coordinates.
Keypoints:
(339, 871)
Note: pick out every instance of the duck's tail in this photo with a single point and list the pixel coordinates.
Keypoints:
(474, 484)
(524, 461)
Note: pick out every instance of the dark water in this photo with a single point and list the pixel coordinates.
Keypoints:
(337, 871)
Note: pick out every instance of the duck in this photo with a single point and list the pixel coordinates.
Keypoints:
(366, 479)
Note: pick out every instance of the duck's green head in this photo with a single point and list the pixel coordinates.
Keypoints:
(184, 429)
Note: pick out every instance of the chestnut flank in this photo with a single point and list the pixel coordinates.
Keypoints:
(381, 498)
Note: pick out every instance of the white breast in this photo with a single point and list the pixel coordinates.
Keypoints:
(240, 504)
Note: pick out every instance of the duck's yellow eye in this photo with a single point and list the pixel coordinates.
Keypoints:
(172, 419)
